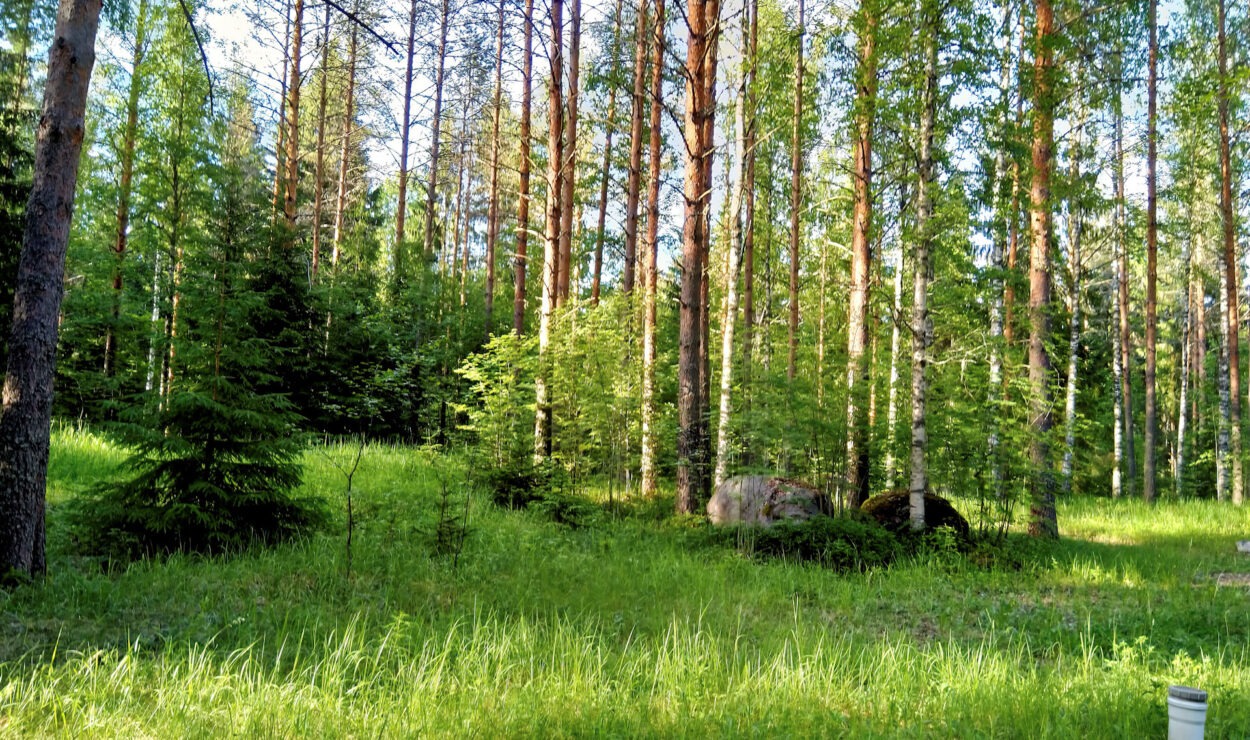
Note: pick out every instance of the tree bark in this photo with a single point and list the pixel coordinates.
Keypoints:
(26, 410)
(1152, 242)
(730, 318)
(1006, 207)
(340, 206)
(523, 192)
(551, 244)
(857, 369)
(1227, 211)
(1182, 411)
(568, 182)
(320, 169)
(492, 215)
(922, 264)
(1042, 519)
(125, 186)
(280, 146)
(291, 182)
(605, 178)
(1076, 226)
(1125, 344)
(633, 185)
(440, 74)
(650, 247)
(699, 113)
(796, 200)
(748, 246)
(405, 137)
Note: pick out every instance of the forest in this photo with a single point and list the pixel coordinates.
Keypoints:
(375, 368)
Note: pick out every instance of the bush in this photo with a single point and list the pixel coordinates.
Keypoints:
(538, 488)
(842, 543)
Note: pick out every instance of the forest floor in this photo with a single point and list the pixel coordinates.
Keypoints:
(627, 627)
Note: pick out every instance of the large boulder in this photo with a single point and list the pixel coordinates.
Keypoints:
(761, 500)
(892, 510)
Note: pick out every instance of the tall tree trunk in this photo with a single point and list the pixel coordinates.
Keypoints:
(405, 138)
(735, 264)
(1182, 409)
(568, 182)
(1125, 343)
(1223, 466)
(291, 183)
(748, 245)
(340, 205)
(1152, 241)
(1005, 204)
(436, 120)
(921, 325)
(320, 167)
(523, 192)
(891, 415)
(1227, 211)
(633, 185)
(1076, 226)
(492, 215)
(700, 110)
(280, 147)
(551, 244)
(1013, 236)
(124, 186)
(1042, 519)
(650, 247)
(857, 369)
(26, 410)
(605, 178)
(796, 200)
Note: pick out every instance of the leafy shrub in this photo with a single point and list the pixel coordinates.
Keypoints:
(842, 543)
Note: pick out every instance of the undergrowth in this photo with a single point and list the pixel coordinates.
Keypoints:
(623, 628)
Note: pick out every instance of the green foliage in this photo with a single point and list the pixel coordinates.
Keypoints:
(840, 543)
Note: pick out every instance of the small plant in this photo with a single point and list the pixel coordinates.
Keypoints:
(451, 529)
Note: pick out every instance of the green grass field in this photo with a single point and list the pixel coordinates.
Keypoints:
(622, 629)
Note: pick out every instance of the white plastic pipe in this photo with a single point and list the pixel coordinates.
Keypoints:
(1187, 713)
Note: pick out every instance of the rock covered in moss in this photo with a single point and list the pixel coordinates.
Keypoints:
(893, 510)
(764, 500)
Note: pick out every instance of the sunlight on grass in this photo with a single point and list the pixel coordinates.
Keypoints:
(623, 628)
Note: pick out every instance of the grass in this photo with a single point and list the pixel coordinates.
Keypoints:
(627, 628)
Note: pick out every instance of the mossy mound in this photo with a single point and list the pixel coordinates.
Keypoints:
(892, 510)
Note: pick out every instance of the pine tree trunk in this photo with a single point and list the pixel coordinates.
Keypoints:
(1223, 466)
(1152, 241)
(796, 200)
(1042, 519)
(568, 182)
(1227, 211)
(633, 185)
(291, 182)
(650, 247)
(280, 146)
(492, 216)
(124, 187)
(523, 192)
(700, 110)
(26, 412)
(921, 330)
(436, 120)
(405, 138)
(551, 244)
(596, 277)
(340, 204)
(320, 168)
(857, 369)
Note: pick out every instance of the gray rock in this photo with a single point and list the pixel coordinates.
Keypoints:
(762, 500)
